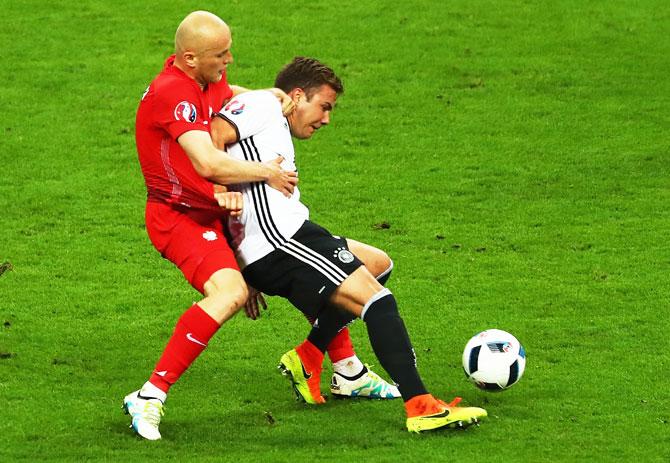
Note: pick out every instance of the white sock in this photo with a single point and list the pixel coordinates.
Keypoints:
(149, 390)
(350, 366)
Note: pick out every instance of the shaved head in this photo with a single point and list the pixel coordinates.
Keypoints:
(198, 30)
(202, 47)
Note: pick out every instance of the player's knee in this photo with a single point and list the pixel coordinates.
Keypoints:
(228, 287)
(382, 263)
(374, 259)
(239, 295)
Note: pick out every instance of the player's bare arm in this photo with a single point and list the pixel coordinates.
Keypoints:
(222, 132)
(218, 167)
(287, 103)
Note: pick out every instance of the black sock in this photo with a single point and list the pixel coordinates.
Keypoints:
(391, 344)
(330, 322)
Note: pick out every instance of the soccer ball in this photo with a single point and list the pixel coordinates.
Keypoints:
(494, 360)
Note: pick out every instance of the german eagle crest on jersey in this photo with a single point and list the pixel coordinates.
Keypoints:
(344, 255)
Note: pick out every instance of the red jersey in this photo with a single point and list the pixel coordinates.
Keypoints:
(172, 105)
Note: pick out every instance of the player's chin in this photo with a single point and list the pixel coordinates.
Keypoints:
(310, 131)
(305, 136)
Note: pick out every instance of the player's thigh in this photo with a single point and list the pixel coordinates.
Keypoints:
(355, 291)
(300, 280)
(197, 248)
(306, 270)
(376, 260)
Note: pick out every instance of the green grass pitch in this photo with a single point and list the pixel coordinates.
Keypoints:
(517, 150)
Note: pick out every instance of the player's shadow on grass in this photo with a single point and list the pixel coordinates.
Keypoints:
(294, 427)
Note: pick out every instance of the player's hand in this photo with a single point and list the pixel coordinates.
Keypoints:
(229, 200)
(287, 104)
(280, 179)
(254, 302)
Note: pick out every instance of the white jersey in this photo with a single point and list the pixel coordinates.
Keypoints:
(269, 219)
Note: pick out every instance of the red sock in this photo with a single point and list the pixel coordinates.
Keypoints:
(340, 347)
(311, 356)
(312, 361)
(193, 331)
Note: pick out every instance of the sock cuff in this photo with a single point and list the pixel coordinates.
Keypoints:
(340, 346)
(383, 293)
(309, 349)
(196, 319)
(150, 390)
(384, 276)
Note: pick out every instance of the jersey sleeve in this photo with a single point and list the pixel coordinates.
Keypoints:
(177, 110)
(250, 112)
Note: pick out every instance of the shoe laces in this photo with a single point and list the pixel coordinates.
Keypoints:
(153, 410)
(453, 403)
(377, 379)
(372, 374)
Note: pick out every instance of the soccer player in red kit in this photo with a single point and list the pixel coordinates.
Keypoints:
(183, 218)
(181, 167)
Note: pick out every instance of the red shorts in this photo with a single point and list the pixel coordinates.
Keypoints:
(192, 240)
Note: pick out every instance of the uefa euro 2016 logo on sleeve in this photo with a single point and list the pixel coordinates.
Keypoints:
(235, 108)
(185, 111)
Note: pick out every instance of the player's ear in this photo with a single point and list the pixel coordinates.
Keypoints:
(189, 58)
(297, 94)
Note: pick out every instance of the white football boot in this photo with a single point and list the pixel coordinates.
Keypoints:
(366, 384)
(145, 414)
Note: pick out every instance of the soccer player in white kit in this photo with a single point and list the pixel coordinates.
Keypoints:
(281, 252)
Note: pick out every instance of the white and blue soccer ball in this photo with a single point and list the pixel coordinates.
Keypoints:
(494, 360)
